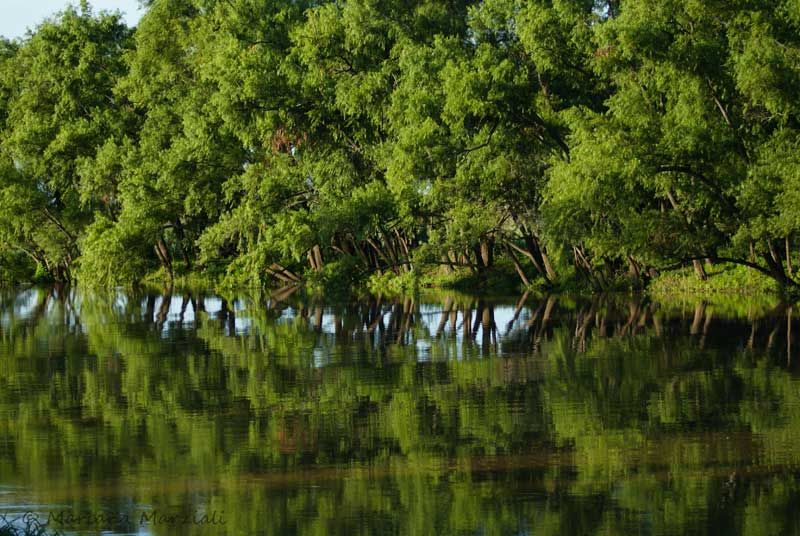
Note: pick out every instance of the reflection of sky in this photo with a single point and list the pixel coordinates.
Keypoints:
(427, 317)
(180, 312)
(21, 15)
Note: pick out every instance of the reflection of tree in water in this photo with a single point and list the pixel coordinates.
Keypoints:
(586, 416)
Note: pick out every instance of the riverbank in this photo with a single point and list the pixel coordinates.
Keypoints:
(723, 281)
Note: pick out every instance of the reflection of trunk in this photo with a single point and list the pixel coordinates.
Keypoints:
(376, 313)
(231, 320)
(751, 341)
(582, 324)
(656, 321)
(706, 326)
(282, 273)
(448, 304)
(163, 311)
(548, 309)
(478, 317)
(338, 326)
(184, 306)
(699, 313)
(318, 318)
(284, 293)
(149, 310)
(643, 318)
(466, 320)
(633, 316)
(517, 311)
(487, 326)
(771, 338)
(408, 313)
(222, 314)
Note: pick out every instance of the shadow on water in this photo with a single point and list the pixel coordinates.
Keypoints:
(451, 414)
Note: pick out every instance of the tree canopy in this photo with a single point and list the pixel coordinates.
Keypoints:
(330, 141)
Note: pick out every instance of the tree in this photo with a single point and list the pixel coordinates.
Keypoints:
(59, 107)
(694, 157)
(172, 168)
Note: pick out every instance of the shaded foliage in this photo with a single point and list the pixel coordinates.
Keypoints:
(327, 142)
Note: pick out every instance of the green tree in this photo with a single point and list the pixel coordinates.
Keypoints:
(59, 108)
(694, 157)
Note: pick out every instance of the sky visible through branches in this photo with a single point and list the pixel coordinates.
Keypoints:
(21, 15)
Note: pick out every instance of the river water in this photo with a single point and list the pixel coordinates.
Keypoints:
(196, 413)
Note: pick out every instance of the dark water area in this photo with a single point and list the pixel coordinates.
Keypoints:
(126, 413)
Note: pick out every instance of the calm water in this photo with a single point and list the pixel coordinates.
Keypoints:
(197, 414)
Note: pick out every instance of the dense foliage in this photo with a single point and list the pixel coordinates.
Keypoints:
(327, 142)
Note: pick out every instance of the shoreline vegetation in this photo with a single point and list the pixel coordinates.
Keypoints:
(497, 146)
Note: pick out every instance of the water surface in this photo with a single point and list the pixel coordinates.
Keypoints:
(192, 413)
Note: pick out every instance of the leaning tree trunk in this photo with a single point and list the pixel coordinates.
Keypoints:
(538, 254)
(775, 267)
(164, 256)
(699, 270)
(518, 266)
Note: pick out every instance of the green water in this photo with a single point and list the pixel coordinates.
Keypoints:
(193, 414)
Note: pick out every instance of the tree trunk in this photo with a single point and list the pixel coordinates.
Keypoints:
(487, 253)
(583, 265)
(179, 233)
(534, 260)
(164, 257)
(776, 268)
(518, 267)
(479, 258)
(317, 251)
(551, 274)
(538, 254)
(699, 270)
(633, 270)
(698, 266)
